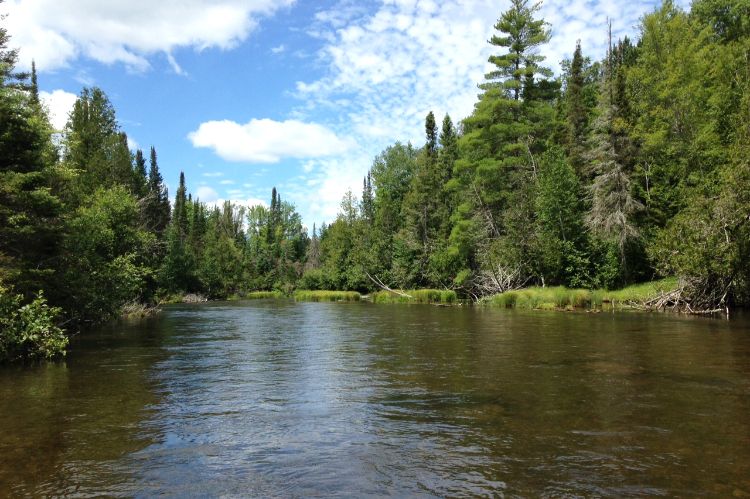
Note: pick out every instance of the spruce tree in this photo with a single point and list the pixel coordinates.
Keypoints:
(576, 111)
(140, 176)
(156, 208)
(34, 84)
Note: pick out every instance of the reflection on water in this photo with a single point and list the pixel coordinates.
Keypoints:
(276, 398)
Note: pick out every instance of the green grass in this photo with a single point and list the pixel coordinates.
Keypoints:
(306, 295)
(263, 295)
(559, 297)
(417, 296)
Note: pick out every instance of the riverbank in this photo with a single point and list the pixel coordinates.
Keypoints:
(637, 296)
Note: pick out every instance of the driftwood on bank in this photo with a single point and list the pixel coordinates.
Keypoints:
(380, 284)
(691, 298)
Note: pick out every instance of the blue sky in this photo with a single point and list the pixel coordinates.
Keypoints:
(244, 95)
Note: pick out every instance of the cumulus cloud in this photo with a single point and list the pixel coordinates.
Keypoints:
(206, 194)
(59, 103)
(267, 141)
(55, 32)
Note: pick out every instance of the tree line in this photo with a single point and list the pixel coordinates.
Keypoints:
(616, 171)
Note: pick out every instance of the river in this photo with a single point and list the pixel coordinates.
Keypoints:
(284, 399)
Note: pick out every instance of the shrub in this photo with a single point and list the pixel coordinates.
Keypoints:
(28, 332)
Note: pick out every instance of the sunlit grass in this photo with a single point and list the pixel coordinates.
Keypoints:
(306, 295)
(263, 295)
(417, 296)
(560, 297)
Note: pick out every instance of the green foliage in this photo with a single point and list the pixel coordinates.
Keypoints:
(263, 295)
(29, 332)
(106, 257)
(445, 296)
(560, 297)
(308, 295)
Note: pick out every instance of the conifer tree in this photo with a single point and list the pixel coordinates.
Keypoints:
(522, 36)
(34, 84)
(368, 206)
(140, 176)
(180, 209)
(613, 207)
(156, 208)
(576, 111)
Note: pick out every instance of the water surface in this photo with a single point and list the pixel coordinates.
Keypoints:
(276, 398)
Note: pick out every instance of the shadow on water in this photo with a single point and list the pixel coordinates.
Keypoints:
(276, 398)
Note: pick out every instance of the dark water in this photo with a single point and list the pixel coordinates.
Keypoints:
(282, 399)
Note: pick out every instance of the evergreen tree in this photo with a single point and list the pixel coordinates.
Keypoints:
(140, 176)
(448, 149)
(30, 225)
(179, 215)
(156, 209)
(34, 84)
(500, 149)
(613, 208)
(368, 207)
(522, 36)
(576, 111)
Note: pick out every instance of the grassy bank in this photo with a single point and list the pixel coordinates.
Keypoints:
(263, 295)
(306, 295)
(416, 296)
(552, 298)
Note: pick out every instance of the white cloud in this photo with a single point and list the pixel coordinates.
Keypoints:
(206, 194)
(227, 182)
(279, 49)
(213, 174)
(59, 103)
(55, 32)
(133, 144)
(267, 141)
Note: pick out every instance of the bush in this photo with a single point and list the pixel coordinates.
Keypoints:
(29, 332)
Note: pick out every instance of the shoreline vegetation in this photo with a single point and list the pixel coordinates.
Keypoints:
(648, 296)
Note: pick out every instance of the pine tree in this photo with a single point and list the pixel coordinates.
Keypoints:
(30, 224)
(156, 208)
(34, 84)
(368, 206)
(523, 35)
(576, 111)
(140, 176)
(500, 149)
(180, 209)
(448, 148)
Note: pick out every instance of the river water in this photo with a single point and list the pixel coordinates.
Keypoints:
(284, 399)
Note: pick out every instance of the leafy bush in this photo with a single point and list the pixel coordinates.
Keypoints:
(28, 332)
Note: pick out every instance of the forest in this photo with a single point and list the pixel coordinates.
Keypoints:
(617, 171)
